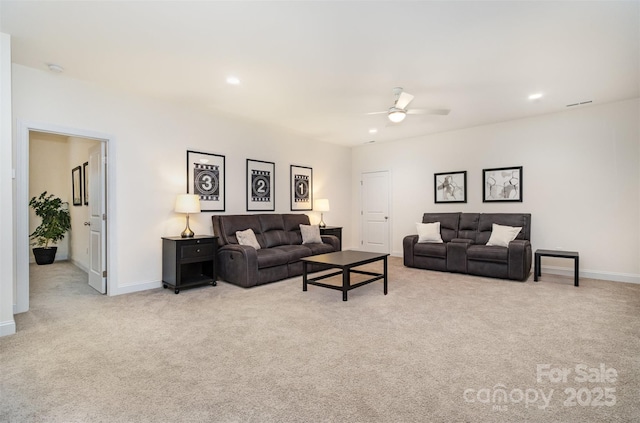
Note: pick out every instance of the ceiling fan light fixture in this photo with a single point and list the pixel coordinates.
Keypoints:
(397, 116)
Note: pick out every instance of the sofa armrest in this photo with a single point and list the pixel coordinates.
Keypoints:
(457, 255)
(407, 247)
(238, 264)
(519, 259)
(331, 240)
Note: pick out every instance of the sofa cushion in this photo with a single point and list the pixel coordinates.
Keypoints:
(294, 252)
(429, 232)
(501, 235)
(468, 228)
(229, 225)
(292, 224)
(269, 257)
(320, 248)
(430, 250)
(272, 228)
(247, 238)
(310, 234)
(486, 221)
(448, 224)
(488, 253)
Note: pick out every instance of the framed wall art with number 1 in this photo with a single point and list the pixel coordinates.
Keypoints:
(260, 185)
(206, 178)
(301, 188)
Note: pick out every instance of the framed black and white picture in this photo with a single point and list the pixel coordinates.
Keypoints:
(502, 184)
(301, 188)
(76, 185)
(85, 183)
(205, 177)
(450, 187)
(260, 185)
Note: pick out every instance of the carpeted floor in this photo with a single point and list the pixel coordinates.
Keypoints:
(439, 348)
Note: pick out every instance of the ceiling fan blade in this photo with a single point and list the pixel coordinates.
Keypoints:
(443, 112)
(378, 113)
(403, 100)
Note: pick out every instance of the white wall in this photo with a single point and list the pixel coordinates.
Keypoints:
(78, 154)
(150, 162)
(7, 246)
(581, 181)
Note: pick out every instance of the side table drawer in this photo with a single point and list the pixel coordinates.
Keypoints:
(196, 251)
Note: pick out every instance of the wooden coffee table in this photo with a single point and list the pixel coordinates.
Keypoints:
(345, 261)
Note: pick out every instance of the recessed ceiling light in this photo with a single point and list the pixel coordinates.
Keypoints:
(373, 130)
(233, 80)
(535, 96)
(55, 68)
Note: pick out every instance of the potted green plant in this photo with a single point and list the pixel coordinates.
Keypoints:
(56, 222)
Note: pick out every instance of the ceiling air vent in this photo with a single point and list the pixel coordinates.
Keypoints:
(579, 104)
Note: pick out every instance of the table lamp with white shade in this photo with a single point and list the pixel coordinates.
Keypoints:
(321, 205)
(187, 203)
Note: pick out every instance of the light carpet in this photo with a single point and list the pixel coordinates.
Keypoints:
(439, 347)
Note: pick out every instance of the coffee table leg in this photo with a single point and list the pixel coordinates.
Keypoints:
(385, 275)
(536, 267)
(304, 276)
(345, 282)
(576, 270)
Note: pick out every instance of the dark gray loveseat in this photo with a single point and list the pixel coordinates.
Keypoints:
(463, 250)
(281, 248)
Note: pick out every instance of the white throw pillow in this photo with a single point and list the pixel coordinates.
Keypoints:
(247, 237)
(429, 232)
(501, 236)
(310, 234)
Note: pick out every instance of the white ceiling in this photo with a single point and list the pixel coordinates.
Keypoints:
(317, 68)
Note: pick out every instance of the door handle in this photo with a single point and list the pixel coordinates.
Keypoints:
(386, 217)
(87, 223)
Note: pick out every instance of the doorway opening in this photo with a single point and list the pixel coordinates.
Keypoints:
(45, 159)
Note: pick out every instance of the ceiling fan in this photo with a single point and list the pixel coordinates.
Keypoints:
(399, 111)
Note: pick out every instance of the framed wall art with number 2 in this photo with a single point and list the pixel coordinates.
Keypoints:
(260, 185)
(205, 177)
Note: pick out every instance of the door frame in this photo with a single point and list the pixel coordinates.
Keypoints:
(389, 208)
(22, 204)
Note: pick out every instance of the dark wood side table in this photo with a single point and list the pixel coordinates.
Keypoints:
(189, 262)
(333, 230)
(557, 253)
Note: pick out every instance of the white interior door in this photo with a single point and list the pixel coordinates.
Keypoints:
(97, 219)
(375, 212)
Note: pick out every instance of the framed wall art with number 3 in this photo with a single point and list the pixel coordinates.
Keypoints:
(205, 177)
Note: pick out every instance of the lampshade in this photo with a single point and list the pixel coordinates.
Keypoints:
(397, 116)
(321, 205)
(188, 203)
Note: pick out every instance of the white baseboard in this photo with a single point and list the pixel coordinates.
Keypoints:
(79, 265)
(592, 274)
(584, 273)
(7, 328)
(128, 289)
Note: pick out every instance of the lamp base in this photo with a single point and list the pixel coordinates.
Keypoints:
(322, 224)
(187, 233)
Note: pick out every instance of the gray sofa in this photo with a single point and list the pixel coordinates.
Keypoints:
(281, 248)
(463, 250)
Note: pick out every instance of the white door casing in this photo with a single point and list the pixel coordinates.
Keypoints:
(375, 212)
(97, 219)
